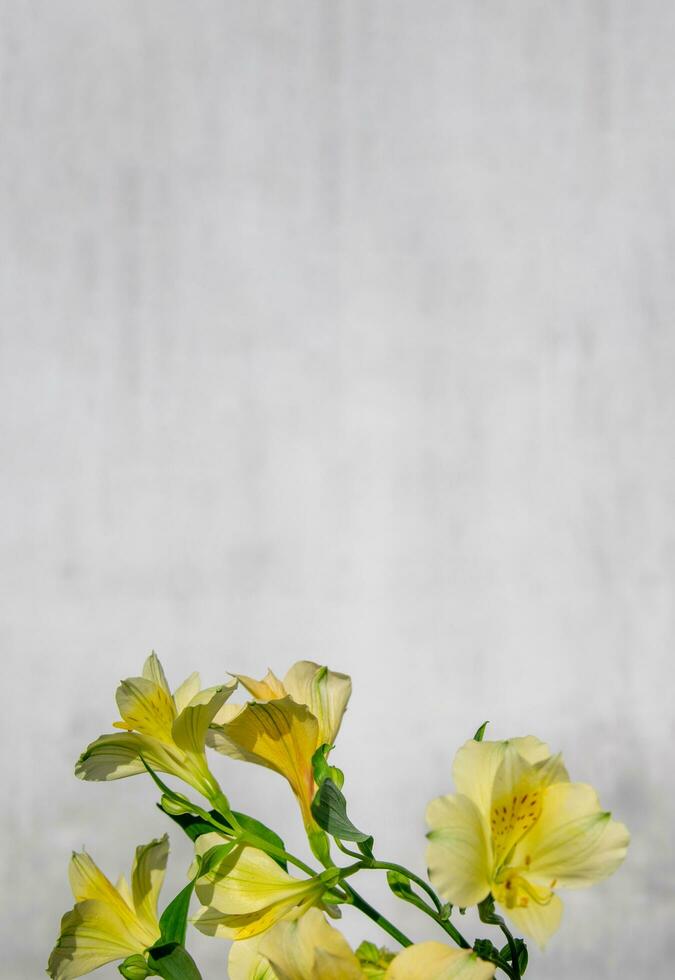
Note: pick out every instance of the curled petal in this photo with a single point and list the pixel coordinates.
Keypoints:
(325, 692)
(119, 755)
(147, 876)
(268, 689)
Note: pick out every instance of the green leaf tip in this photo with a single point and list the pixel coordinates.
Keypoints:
(480, 732)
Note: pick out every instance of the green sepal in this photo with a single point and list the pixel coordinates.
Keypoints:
(173, 962)
(522, 954)
(400, 885)
(175, 804)
(486, 949)
(323, 771)
(320, 845)
(373, 960)
(329, 809)
(478, 737)
(487, 913)
(135, 967)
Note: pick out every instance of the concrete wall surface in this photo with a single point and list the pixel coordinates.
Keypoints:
(340, 330)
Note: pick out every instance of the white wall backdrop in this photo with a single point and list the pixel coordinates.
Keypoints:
(342, 330)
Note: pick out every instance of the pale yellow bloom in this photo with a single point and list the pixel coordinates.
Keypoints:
(517, 828)
(245, 892)
(309, 948)
(168, 731)
(109, 922)
(285, 724)
(435, 961)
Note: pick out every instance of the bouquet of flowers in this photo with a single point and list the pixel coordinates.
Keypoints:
(515, 830)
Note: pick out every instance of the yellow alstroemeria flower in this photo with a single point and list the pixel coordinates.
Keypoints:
(517, 828)
(109, 922)
(309, 948)
(167, 731)
(285, 725)
(245, 892)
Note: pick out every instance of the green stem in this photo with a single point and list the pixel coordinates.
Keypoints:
(360, 903)
(273, 851)
(512, 949)
(388, 866)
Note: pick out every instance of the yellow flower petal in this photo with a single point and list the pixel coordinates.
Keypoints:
(574, 843)
(92, 934)
(536, 922)
(153, 671)
(247, 892)
(308, 948)
(122, 886)
(147, 876)
(119, 755)
(325, 692)
(268, 689)
(186, 691)
(146, 708)
(435, 961)
(246, 962)
(458, 855)
(190, 727)
(280, 735)
(476, 764)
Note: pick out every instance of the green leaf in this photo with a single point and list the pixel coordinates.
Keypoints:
(263, 833)
(322, 771)
(173, 921)
(173, 962)
(366, 846)
(478, 737)
(329, 809)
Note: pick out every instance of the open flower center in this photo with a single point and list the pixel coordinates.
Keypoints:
(514, 891)
(511, 817)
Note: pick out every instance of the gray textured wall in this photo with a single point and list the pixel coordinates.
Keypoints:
(340, 330)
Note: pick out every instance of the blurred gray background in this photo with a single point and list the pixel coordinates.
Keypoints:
(340, 330)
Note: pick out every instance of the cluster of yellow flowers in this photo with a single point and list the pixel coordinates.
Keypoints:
(515, 831)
